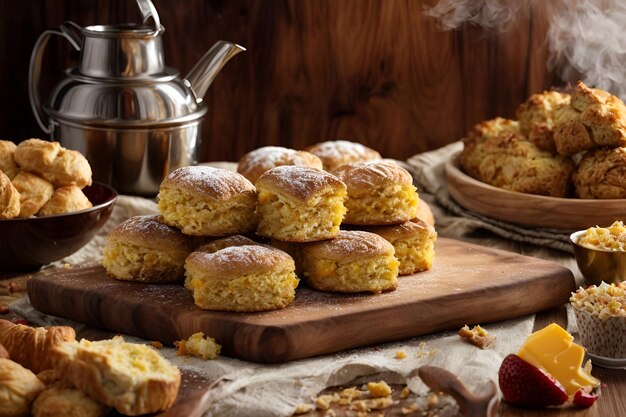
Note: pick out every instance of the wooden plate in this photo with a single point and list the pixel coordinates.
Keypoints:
(531, 210)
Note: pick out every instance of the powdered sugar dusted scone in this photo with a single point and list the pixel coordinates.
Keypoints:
(226, 242)
(414, 244)
(335, 153)
(354, 261)
(9, 198)
(255, 163)
(379, 192)
(7, 162)
(132, 378)
(143, 249)
(34, 192)
(299, 204)
(241, 278)
(65, 200)
(206, 201)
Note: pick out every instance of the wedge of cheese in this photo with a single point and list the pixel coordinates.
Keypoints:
(553, 350)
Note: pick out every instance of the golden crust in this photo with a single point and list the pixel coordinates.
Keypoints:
(349, 245)
(425, 213)
(61, 399)
(372, 174)
(34, 192)
(402, 231)
(234, 261)
(18, 389)
(537, 117)
(301, 183)
(134, 379)
(596, 118)
(65, 200)
(219, 244)
(601, 173)
(9, 198)
(147, 231)
(68, 168)
(7, 162)
(36, 155)
(336, 153)
(208, 182)
(253, 164)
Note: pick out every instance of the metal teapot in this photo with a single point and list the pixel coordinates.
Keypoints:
(133, 118)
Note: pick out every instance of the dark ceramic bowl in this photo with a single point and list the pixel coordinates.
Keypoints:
(30, 243)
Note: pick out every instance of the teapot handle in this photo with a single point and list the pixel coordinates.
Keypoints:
(34, 70)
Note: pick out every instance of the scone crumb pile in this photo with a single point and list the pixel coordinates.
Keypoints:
(198, 345)
(477, 336)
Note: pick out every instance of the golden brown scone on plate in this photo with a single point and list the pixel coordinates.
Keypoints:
(32, 346)
(595, 118)
(335, 153)
(62, 399)
(601, 173)
(241, 278)
(536, 118)
(9, 198)
(7, 162)
(18, 389)
(299, 204)
(65, 200)
(146, 250)
(506, 159)
(132, 378)
(414, 244)
(354, 261)
(253, 164)
(473, 152)
(379, 193)
(226, 242)
(206, 201)
(34, 192)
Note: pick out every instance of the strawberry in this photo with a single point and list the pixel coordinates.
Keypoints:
(585, 399)
(528, 386)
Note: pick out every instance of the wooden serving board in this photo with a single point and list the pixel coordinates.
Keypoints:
(468, 284)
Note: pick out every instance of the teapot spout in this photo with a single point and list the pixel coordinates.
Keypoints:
(204, 72)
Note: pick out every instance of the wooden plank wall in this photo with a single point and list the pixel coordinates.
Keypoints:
(374, 71)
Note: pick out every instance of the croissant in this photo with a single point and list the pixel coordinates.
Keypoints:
(31, 347)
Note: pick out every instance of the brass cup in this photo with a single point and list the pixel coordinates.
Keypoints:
(599, 265)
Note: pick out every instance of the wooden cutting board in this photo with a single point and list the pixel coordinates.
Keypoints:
(468, 284)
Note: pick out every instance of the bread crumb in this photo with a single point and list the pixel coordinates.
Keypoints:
(323, 402)
(422, 352)
(156, 344)
(198, 345)
(303, 409)
(67, 266)
(432, 400)
(379, 389)
(477, 336)
(404, 393)
(372, 404)
(410, 409)
(400, 354)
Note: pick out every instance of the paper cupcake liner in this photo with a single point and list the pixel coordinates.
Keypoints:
(602, 337)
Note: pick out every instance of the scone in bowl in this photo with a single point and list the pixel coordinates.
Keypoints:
(27, 244)
(597, 264)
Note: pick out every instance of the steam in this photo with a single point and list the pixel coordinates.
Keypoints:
(584, 37)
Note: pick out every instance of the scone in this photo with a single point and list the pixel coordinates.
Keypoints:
(62, 399)
(60, 166)
(132, 378)
(536, 118)
(253, 164)
(18, 389)
(9, 198)
(504, 158)
(34, 192)
(225, 242)
(241, 278)
(425, 213)
(7, 162)
(206, 201)
(473, 152)
(65, 200)
(414, 244)
(595, 118)
(601, 173)
(299, 204)
(146, 250)
(379, 193)
(354, 261)
(335, 153)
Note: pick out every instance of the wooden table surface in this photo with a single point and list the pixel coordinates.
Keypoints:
(611, 404)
